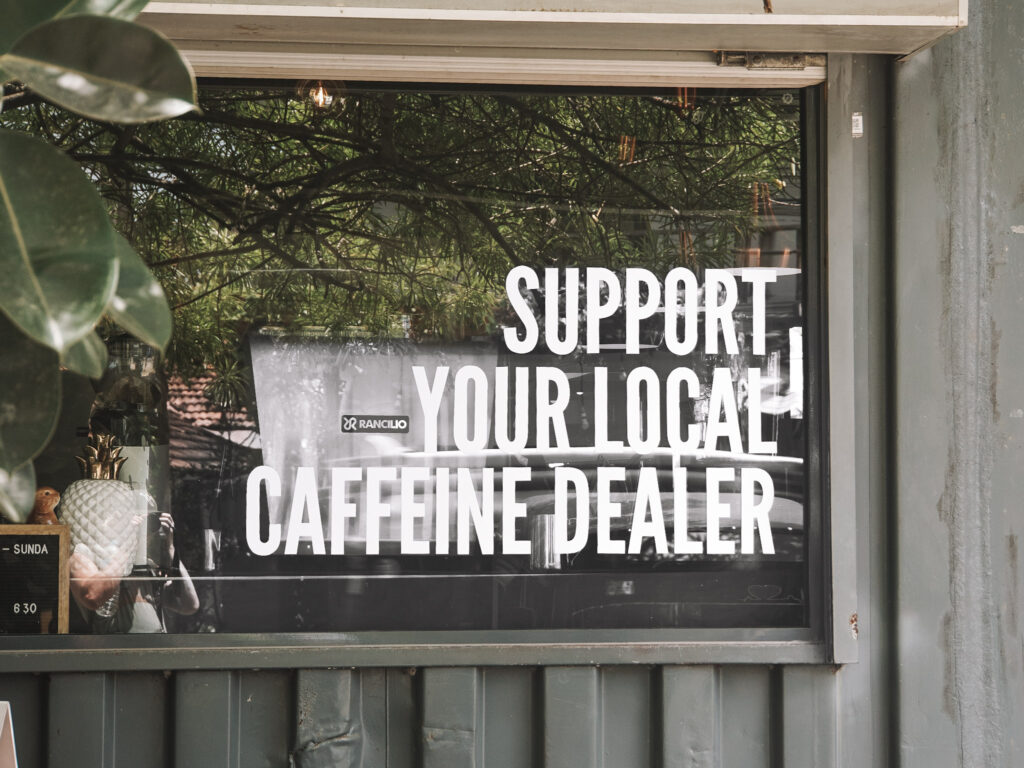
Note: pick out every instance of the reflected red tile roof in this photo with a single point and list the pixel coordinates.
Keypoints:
(187, 398)
(203, 437)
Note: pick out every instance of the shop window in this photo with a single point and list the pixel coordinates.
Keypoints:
(462, 360)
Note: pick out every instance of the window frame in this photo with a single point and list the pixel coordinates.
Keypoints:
(831, 638)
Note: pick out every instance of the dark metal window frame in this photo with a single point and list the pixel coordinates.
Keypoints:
(831, 527)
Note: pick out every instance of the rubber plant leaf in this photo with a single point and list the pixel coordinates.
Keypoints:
(29, 396)
(139, 305)
(19, 16)
(56, 243)
(103, 68)
(87, 356)
(17, 492)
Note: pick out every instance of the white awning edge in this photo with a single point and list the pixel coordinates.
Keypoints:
(322, 39)
(493, 70)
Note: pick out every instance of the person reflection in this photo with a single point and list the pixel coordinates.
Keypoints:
(141, 600)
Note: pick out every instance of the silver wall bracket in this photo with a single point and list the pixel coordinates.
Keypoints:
(770, 60)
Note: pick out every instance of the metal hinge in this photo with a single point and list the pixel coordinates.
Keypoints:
(770, 60)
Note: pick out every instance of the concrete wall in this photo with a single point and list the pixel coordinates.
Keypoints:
(958, 394)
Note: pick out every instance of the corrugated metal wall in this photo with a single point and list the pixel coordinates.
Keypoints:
(507, 717)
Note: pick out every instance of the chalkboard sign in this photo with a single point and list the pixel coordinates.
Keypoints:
(33, 579)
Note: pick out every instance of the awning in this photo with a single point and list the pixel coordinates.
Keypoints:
(708, 43)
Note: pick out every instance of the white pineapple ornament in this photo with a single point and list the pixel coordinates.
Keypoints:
(102, 513)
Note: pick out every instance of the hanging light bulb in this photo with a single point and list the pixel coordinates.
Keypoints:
(322, 93)
(320, 96)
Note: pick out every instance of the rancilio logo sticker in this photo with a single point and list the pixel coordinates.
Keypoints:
(357, 423)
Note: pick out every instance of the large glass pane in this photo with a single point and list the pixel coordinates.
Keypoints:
(460, 360)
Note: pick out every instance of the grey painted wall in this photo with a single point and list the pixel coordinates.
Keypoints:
(927, 221)
(958, 391)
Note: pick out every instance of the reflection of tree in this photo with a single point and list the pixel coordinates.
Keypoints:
(392, 203)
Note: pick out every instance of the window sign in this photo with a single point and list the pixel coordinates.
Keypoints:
(456, 360)
(33, 579)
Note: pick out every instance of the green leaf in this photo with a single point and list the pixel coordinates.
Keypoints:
(17, 492)
(106, 69)
(19, 16)
(139, 305)
(29, 396)
(87, 356)
(56, 243)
